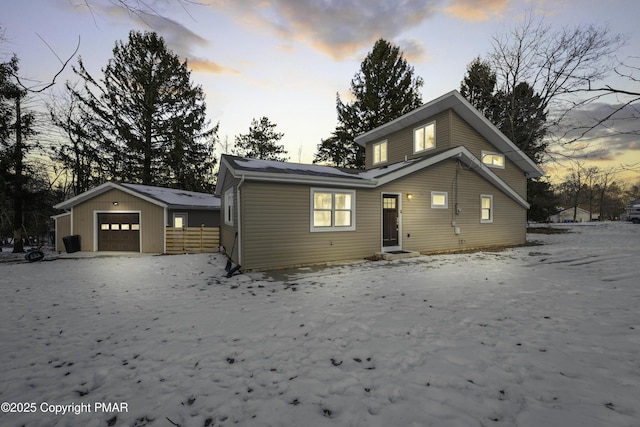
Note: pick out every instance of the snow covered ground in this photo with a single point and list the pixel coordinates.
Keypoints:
(534, 336)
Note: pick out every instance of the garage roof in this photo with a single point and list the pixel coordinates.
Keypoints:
(161, 196)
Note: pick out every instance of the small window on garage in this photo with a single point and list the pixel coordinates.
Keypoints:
(125, 226)
(135, 227)
(115, 226)
(104, 226)
(180, 219)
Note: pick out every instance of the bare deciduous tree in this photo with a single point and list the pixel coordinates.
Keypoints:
(559, 64)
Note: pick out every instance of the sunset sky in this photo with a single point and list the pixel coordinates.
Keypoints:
(287, 59)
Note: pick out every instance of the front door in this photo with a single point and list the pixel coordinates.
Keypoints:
(390, 221)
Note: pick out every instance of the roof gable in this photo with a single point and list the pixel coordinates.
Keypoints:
(160, 196)
(456, 102)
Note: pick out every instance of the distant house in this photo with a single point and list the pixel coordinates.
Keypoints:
(133, 218)
(439, 178)
(566, 215)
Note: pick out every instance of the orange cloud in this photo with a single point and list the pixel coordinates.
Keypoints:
(477, 10)
(207, 66)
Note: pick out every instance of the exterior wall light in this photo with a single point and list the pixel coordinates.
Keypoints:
(409, 196)
(115, 203)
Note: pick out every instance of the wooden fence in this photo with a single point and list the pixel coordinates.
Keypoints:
(192, 239)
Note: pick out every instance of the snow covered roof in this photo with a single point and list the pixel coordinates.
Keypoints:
(456, 102)
(161, 196)
(177, 198)
(297, 173)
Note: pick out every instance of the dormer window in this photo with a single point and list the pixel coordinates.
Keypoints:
(493, 160)
(380, 152)
(424, 138)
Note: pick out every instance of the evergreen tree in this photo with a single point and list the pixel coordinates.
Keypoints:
(520, 116)
(384, 89)
(518, 113)
(261, 142)
(148, 118)
(479, 87)
(16, 132)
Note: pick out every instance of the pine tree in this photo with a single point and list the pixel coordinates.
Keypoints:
(479, 87)
(148, 118)
(16, 132)
(384, 89)
(261, 142)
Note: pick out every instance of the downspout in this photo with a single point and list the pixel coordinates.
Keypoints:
(240, 221)
(166, 219)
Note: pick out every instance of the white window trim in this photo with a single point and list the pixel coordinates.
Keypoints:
(426, 125)
(490, 220)
(491, 165)
(379, 144)
(446, 200)
(180, 214)
(228, 207)
(333, 191)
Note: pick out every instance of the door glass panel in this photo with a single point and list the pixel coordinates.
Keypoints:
(390, 203)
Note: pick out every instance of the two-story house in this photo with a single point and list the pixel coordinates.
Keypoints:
(439, 178)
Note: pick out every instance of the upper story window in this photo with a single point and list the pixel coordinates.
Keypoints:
(333, 210)
(493, 160)
(379, 152)
(424, 137)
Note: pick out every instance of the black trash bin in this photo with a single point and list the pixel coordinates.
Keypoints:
(71, 243)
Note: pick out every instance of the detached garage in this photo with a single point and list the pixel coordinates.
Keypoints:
(136, 218)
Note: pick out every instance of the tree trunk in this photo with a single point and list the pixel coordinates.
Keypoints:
(18, 246)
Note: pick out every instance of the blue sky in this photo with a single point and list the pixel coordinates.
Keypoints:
(287, 59)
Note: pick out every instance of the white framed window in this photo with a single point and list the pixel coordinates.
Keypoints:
(424, 137)
(380, 152)
(493, 160)
(180, 219)
(228, 207)
(439, 200)
(486, 208)
(333, 210)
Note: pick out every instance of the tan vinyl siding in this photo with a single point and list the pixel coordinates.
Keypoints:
(428, 230)
(276, 228)
(152, 220)
(463, 134)
(400, 143)
(276, 220)
(63, 229)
